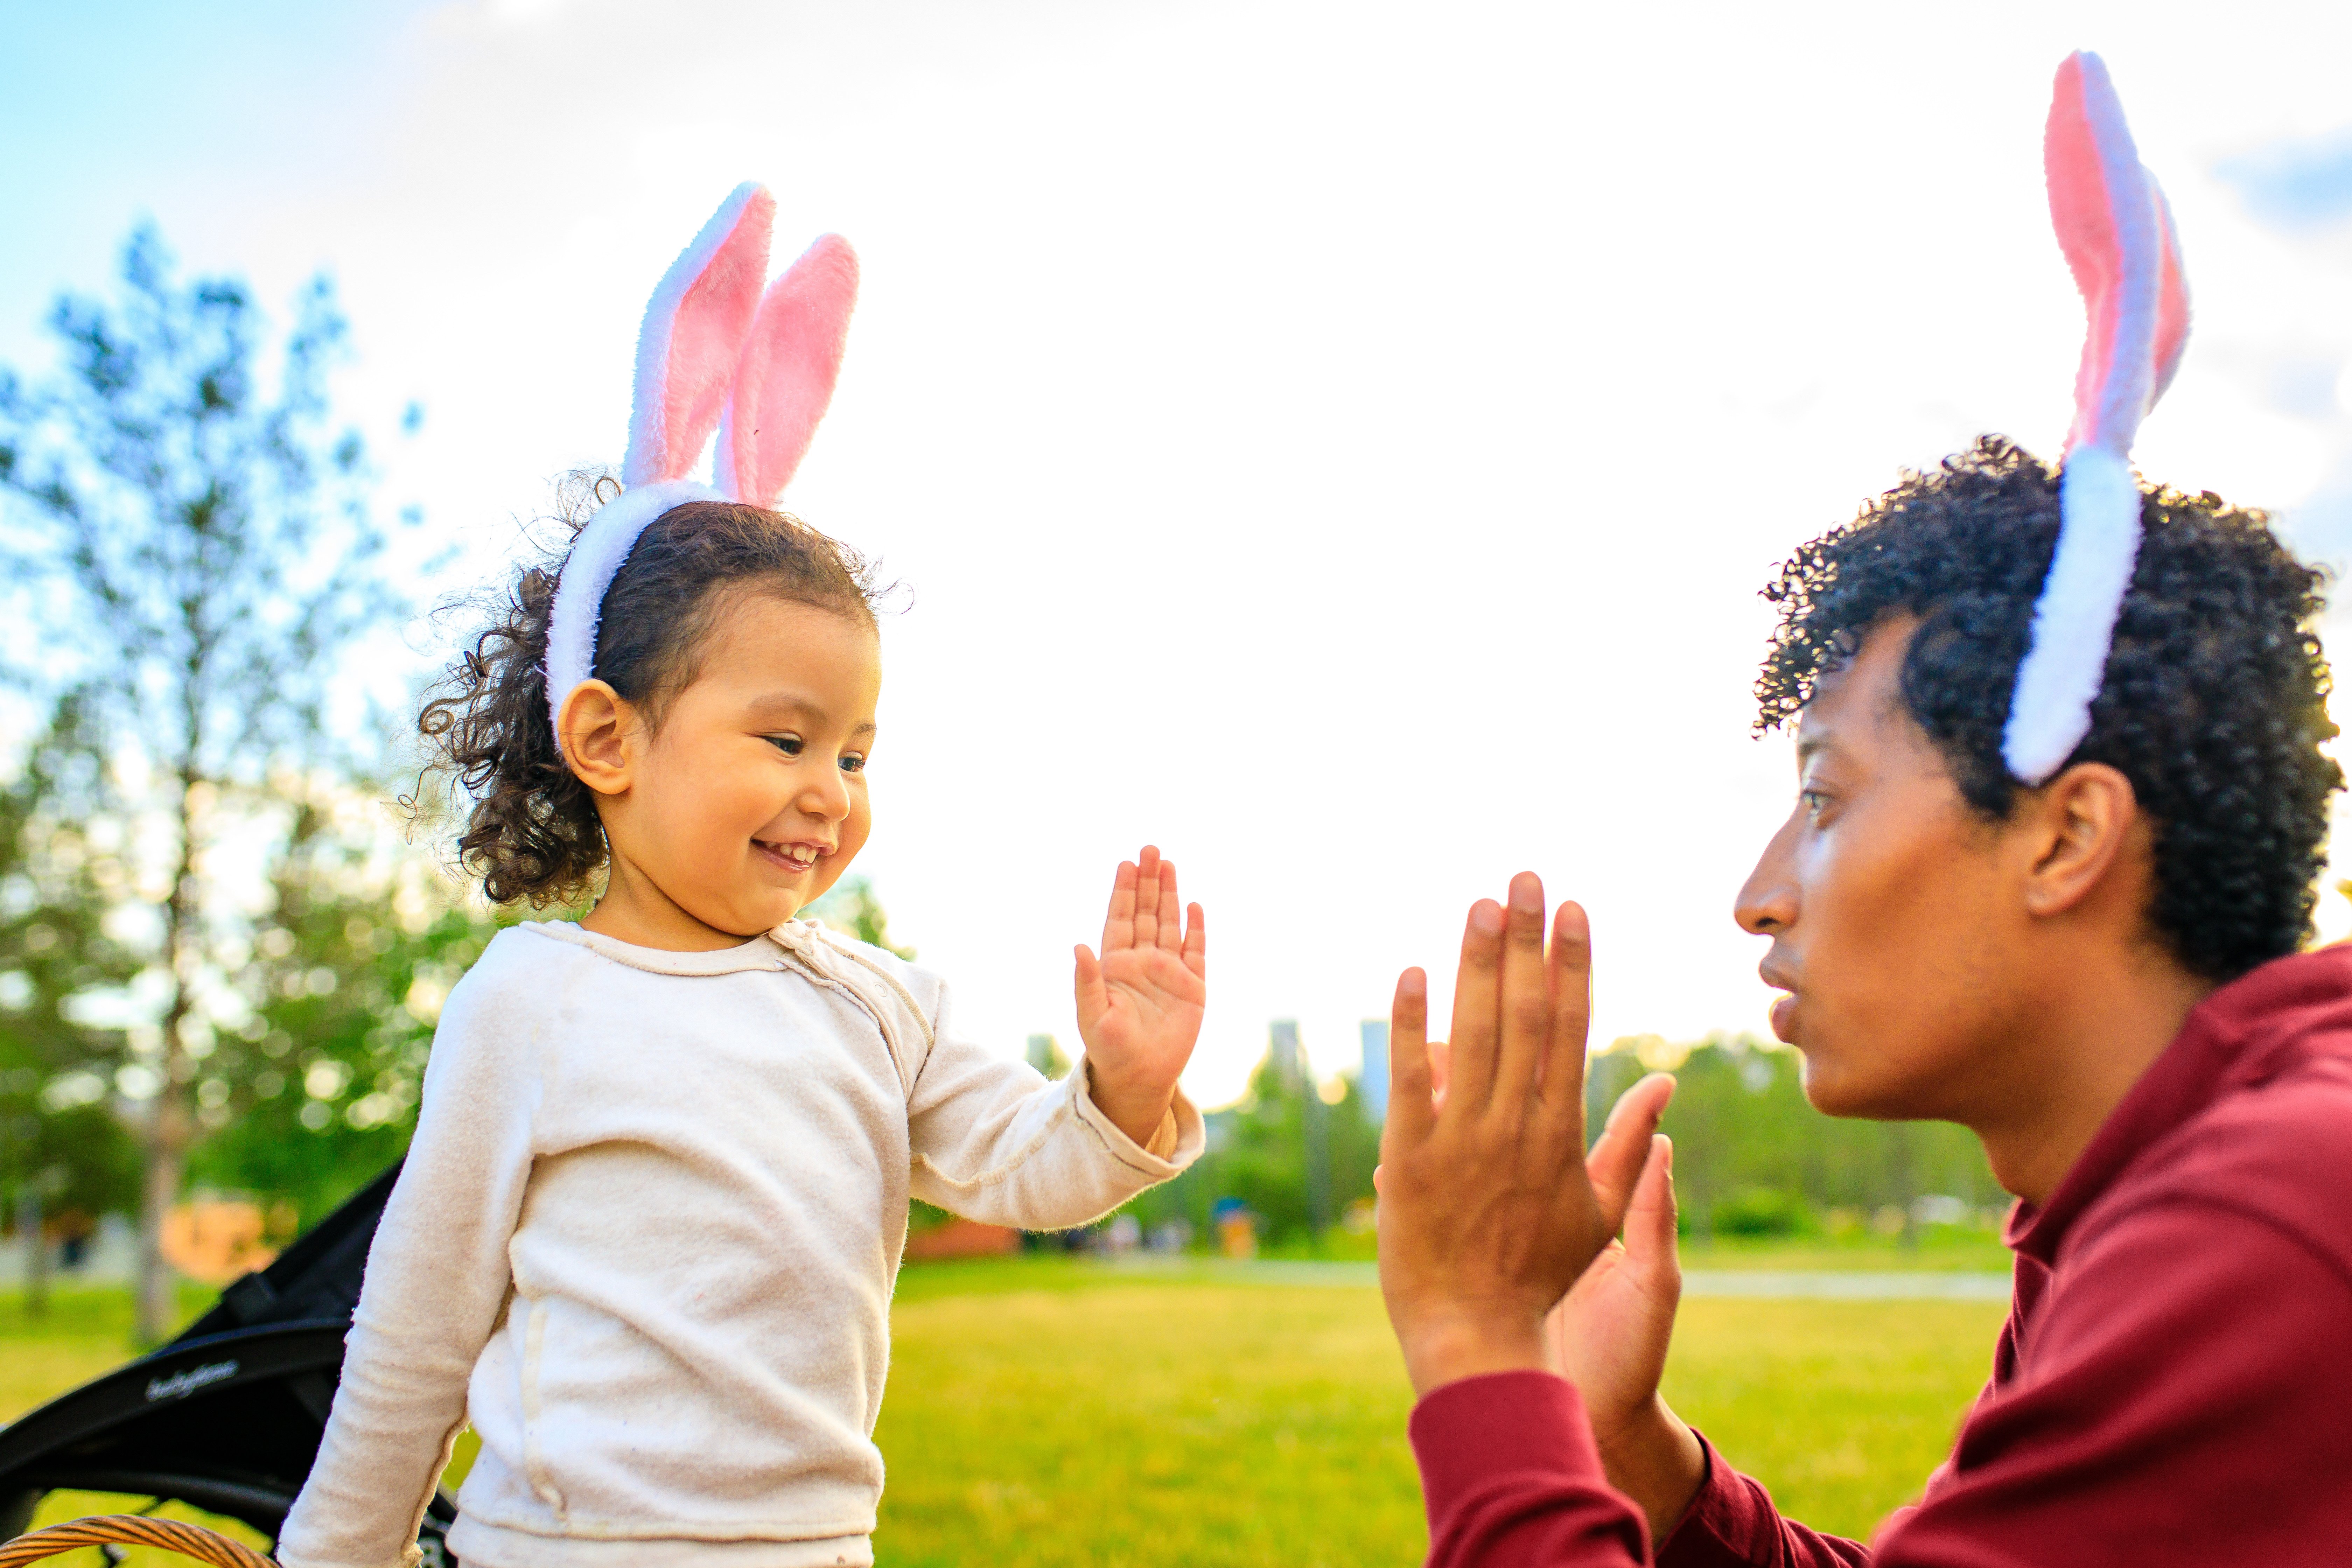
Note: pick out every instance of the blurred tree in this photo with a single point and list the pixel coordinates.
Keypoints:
(190, 549)
(1752, 1154)
(63, 1156)
(852, 909)
(346, 973)
(1263, 1151)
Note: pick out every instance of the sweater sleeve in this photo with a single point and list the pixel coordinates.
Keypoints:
(996, 1140)
(436, 1285)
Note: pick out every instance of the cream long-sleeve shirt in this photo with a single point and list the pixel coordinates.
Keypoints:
(645, 1239)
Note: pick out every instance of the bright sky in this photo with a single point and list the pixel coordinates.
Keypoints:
(1340, 442)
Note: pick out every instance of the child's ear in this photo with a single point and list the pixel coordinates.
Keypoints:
(595, 724)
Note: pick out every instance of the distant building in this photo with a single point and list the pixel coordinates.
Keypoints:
(1372, 1081)
(1282, 1053)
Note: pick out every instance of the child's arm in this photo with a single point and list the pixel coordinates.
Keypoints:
(996, 1143)
(436, 1281)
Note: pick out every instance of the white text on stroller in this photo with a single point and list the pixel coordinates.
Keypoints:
(180, 1384)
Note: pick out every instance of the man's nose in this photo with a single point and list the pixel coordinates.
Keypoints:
(1768, 899)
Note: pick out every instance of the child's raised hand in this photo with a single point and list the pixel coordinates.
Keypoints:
(1139, 1004)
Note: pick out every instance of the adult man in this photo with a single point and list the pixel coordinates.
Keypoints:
(2098, 973)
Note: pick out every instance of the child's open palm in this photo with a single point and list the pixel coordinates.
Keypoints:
(1139, 1004)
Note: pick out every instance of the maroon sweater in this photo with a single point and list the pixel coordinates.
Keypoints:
(2174, 1385)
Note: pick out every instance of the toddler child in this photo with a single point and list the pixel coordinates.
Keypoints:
(646, 1234)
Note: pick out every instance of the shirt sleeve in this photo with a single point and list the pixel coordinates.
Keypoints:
(1733, 1524)
(998, 1141)
(1511, 1478)
(436, 1283)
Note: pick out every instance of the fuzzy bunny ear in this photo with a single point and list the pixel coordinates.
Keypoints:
(2116, 231)
(786, 377)
(693, 337)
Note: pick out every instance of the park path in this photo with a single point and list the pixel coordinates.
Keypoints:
(1810, 1284)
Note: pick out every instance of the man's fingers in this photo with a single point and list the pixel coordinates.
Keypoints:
(1477, 995)
(1650, 1220)
(1621, 1152)
(1568, 979)
(1524, 1011)
(1411, 1114)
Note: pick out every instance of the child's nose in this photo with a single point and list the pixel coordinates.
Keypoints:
(827, 797)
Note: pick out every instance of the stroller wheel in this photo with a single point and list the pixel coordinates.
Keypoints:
(131, 1529)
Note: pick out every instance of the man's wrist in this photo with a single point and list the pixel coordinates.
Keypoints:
(1447, 1347)
(1658, 1462)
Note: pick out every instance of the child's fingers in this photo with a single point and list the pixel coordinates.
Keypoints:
(1172, 908)
(1411, 1113)
(1440, 1064)
(1196, 942)
(1088, 984)
(1147, 896)
(1119, 925)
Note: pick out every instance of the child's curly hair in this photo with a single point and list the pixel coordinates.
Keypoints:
(531, 829)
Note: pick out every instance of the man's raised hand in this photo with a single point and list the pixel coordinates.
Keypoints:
(1139, 1004)
(1487, 1213)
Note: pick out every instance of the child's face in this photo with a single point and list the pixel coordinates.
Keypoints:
(748, 801)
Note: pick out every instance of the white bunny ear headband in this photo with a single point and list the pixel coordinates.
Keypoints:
(2116, 232)
(714, 352)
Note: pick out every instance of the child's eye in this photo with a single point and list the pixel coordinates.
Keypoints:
(789, 744)
(1814, 803)
(852, 762)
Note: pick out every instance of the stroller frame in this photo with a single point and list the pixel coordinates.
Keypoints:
(228, 1416)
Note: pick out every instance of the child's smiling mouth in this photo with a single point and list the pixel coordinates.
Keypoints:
(792, 857)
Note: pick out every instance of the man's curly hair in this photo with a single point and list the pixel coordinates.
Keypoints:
(2215, 700)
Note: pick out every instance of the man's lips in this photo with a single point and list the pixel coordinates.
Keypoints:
(1784, 1008)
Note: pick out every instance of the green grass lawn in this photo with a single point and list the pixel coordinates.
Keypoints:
(1050, 1413)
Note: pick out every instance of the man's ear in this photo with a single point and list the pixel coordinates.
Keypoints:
(2085, 820)
(598, 726)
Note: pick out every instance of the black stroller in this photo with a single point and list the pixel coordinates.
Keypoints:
(228, 1417)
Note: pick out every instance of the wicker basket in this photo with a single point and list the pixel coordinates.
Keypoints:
(131, 1529)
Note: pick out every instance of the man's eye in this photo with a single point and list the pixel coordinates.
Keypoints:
(788, 744)
(852, 762)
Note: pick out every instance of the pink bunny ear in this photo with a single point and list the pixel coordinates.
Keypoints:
(789, 366)
(2116, 231)
(693, 336)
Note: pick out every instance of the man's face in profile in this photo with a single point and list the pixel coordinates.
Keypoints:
(1897, 928)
